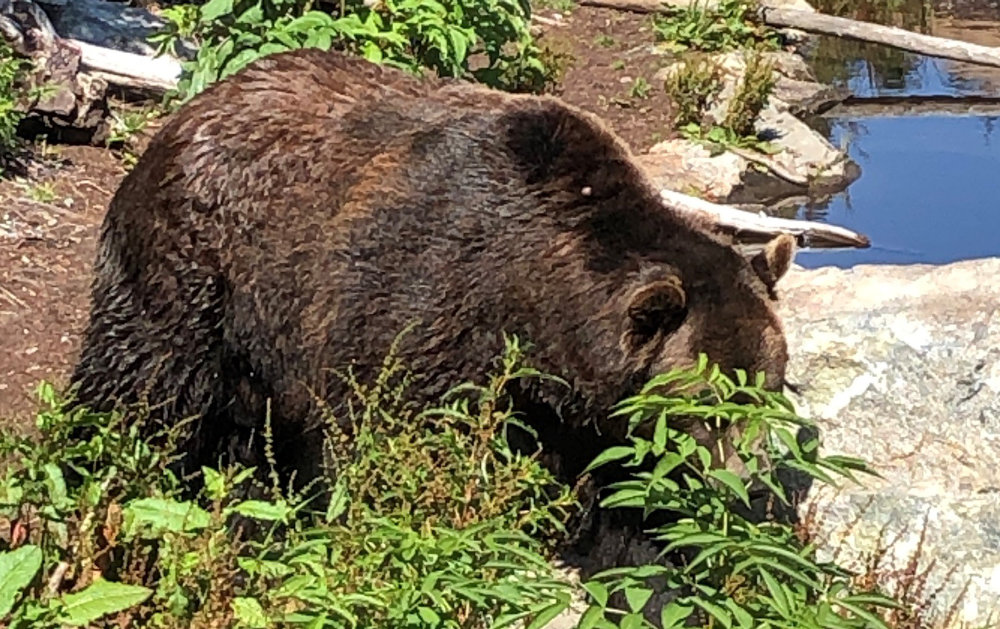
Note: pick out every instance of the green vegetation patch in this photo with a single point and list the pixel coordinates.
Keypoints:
(428, 520)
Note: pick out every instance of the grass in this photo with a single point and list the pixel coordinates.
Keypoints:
(429, 520)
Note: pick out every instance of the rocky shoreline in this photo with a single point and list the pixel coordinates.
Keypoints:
(807, 164)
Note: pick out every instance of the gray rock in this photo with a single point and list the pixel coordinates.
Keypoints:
(113, 25)
(899, 365)
(807, 163)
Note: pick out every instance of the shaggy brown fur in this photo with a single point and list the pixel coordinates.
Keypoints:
(296, 217)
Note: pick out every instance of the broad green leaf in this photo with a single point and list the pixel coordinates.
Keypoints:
(598, 591)
(733, 482)
(249, 612)
(429, 616)
(214, 9)
(611, 454)
(17, 569)
(261, 510)
(675, 614)
(213, 482)
(99, 599)
(637, 597)
(164, 514)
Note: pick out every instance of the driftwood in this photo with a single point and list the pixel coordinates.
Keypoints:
(157, 74)
(814, 22)
(929, 45)
(749, 227)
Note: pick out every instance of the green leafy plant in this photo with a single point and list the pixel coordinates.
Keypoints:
(729, 570)
(724, 27)
(692, 87)
(431, 522)
(752, 95)
(696, 85)
(639, 88)
(444, 36)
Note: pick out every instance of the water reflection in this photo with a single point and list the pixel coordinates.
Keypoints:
(928, 192)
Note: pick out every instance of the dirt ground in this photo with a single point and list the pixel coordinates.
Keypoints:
(50, 217)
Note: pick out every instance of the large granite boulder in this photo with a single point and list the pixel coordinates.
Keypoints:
(900, 366)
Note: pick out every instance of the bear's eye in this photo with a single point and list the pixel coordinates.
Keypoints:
(659, 306)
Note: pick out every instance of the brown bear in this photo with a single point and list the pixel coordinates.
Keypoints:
(295, 217)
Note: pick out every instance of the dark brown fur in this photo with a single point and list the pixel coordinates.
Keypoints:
(294, 218)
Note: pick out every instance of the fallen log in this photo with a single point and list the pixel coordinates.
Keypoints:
(902, 39)
(158, 74)
(750, 228)
(30, 33)
(814, 22)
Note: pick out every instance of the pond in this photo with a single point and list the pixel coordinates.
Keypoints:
(929, 191)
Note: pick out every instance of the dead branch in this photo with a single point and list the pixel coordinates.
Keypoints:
(750, 227)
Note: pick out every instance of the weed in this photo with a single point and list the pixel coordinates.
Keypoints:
(696, 84)
(692, 87)
(126, 125)
(728, 26)
(563, 6)
(432, 521)
(639, 88)
(751, 96)
(730, 569)
(42, 192)
(604, 40)
(618, 64)
(12, 72)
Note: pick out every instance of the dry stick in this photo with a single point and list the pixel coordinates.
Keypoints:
(750, 226)
(813, 22)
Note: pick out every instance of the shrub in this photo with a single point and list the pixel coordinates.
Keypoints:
(751, 96)
(692, 87)
(725, 27)
(729, 570)
(430, 520)
(484, 40)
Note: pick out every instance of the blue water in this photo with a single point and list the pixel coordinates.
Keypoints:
(929, 191)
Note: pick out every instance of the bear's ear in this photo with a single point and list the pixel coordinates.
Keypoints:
(658, 306)
(774, 260)
(549, 140)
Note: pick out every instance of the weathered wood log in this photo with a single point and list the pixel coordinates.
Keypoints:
(128, 69)
(28, 30)
(902, 39)
(749, 227)
(814, 22)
